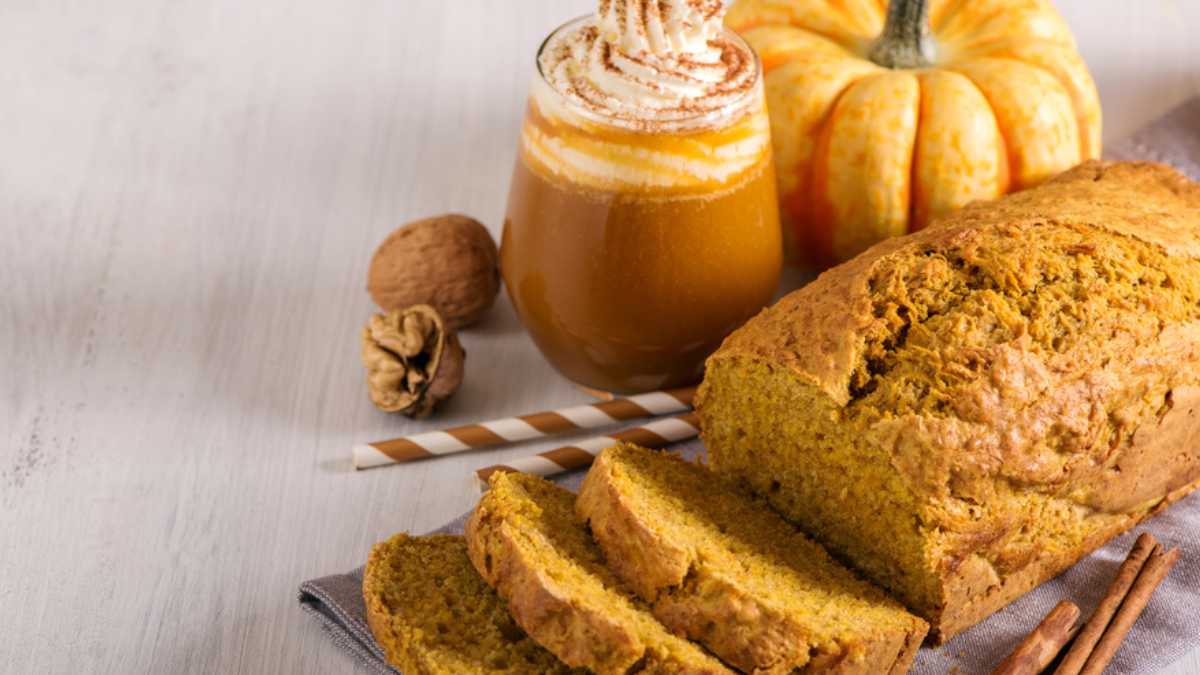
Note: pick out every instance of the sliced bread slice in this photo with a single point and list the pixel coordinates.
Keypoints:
(718, 565)
(525, 540)
(433, 615)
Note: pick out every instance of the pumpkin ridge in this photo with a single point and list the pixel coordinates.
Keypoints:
(814, 207)
(983, 19)
(852, 46)
(1021, 181)
(1078, 114)
(1083, 98)
(877, 19)
(976, 35)
(1007, 154)
(990, 48)
(954, 136)
(913, 164)
(876, 129)
(803, 48)
(939, 15)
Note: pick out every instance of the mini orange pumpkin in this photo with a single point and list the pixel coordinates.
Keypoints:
(886, 115)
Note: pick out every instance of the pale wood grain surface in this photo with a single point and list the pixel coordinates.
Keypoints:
(189, 194)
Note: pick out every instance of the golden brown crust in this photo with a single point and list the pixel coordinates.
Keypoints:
(523, 540)
(545, 610)
(817, 331)
(765, 598)
(1052, 382)
(973, 594)
(640, 556)
(715, 611)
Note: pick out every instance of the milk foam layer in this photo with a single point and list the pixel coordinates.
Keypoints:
(652, 65)
(647, 95)
(558, 142)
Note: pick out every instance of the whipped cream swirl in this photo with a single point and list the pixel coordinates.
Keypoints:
(653, 65)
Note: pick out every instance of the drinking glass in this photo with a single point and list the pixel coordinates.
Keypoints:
(629, 254)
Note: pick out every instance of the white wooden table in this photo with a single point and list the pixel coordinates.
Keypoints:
(189, 195)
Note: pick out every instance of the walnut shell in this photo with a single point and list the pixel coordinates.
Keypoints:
(413, 360)
(449, 262)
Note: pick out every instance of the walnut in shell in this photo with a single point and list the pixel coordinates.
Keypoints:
(413, 359)
(449, 262)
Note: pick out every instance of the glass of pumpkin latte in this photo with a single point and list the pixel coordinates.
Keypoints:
(642, 223)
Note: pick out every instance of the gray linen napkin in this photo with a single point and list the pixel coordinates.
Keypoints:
(1169, 628)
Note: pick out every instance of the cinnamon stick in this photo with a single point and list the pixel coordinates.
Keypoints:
(1157, 566)
(1040, 647)
(1081, 649)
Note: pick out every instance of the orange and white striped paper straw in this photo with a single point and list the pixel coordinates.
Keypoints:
(523, 428)
(656, 434)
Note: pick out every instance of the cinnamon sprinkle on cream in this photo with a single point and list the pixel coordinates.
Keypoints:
(653, 65)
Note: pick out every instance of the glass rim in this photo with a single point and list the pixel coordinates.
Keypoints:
(575, 107)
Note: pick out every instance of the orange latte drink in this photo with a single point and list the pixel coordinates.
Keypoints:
(642, 224)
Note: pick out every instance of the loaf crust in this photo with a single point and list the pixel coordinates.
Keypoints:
(964, 412)
(432, 614)
(524, 540)
(719, 566)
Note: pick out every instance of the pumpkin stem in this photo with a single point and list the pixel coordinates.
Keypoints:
(906, 41)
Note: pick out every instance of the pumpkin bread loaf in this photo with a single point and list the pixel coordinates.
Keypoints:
(964, 412)
(433, 615)
(524, 539)
(718, 565)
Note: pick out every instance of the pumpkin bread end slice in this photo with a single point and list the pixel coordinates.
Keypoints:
(432, 614)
